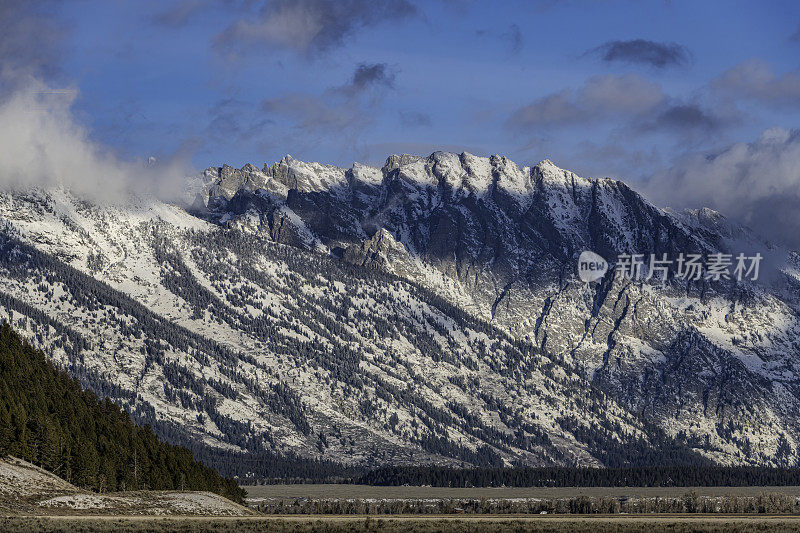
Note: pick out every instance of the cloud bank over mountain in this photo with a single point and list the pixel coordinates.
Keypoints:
(757, 183)
(43, 145)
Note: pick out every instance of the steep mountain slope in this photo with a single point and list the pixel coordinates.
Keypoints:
(291, 351)
(427, 311)
(706, 360)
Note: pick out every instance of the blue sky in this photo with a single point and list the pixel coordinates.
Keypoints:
(642, 91)
(155, 76)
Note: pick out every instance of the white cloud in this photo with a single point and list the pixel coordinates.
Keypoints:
(754, 79)
(600, 97)
(756, 183)
(43, 145)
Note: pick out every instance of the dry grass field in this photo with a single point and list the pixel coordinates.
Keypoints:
(34, 500)
(391, 501)
(415, 524)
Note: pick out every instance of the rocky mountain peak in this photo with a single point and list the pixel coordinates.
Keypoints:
(442, 289)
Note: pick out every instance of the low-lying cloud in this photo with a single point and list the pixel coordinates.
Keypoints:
(44, 146)
(756, 183)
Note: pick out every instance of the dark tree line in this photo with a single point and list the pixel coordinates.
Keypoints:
(46, 418)
(647, 476)
(271, 468)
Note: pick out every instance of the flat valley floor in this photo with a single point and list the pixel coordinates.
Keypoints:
(415, 524)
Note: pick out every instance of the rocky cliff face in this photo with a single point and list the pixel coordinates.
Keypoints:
(502, 242)
(425, 311)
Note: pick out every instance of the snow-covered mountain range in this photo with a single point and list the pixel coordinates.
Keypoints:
(424, 312)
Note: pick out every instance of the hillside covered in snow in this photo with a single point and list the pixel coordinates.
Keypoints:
(425, 312)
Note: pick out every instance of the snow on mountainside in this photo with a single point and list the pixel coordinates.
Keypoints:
(249, 345)
(426, 311)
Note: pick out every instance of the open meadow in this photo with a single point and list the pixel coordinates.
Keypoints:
(415, 524)
(411, 500)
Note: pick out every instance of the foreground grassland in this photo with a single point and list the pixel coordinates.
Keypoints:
(415, 524)
(390, 501)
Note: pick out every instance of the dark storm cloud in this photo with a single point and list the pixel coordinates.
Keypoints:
(309, 27)
(644, 52)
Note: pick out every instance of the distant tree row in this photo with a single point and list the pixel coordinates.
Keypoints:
(690, 502)
(646, 476)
